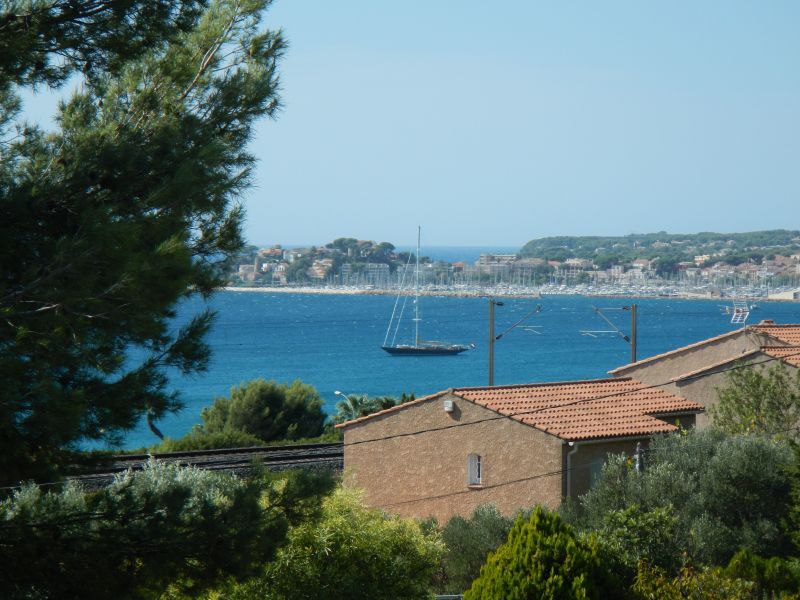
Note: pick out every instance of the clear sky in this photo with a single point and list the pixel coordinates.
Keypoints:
(492, 123)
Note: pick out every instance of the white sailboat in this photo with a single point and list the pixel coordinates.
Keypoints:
(419, 347)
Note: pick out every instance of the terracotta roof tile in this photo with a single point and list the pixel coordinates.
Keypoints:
(715, 365)
(788, 334)
(789, 354)
(677, 350)
(584, 410)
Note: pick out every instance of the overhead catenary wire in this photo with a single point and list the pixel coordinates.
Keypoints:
(511, 416)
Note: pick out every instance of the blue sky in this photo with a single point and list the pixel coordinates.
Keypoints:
(492, 123)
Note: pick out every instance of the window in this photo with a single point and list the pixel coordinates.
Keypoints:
(474, 469)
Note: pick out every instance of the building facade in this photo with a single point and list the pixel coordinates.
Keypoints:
(511, 446)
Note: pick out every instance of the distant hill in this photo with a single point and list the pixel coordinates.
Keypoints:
(664, 245)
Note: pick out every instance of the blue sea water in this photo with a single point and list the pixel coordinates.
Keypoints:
(333, 343)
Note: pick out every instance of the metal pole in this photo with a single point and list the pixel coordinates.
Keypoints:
(491, 341)
(633, 333)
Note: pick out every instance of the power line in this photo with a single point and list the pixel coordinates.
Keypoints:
(547, 474)
(559, 406)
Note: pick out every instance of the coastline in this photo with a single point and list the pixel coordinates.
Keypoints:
(499, 292)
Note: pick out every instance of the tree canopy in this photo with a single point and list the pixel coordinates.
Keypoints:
(268, 411)
(352, 553)
(166, 527)
(701, 498)
(126, 207)
(544, 559)
(757, 400)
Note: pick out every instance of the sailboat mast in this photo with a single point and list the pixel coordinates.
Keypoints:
(416, 291)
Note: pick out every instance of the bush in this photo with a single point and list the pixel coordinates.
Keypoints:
(352, 553)
(165, 527)
(543, 559)
(726, 491)
(710, 584)
(468, 544)
(197, 440)
(267, 410)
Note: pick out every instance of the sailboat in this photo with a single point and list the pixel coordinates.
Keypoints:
(419, 347)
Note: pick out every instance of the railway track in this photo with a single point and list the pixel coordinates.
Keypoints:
(240, 461)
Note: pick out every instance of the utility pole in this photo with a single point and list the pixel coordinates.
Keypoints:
(492, 338)
(632, 308)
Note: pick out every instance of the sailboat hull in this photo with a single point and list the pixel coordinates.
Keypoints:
(444, 350)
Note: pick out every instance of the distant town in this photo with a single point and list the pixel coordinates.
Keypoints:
(757, 264)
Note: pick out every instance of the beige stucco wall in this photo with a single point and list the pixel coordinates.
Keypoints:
(661, 370)
(704, 389)
(426, 474)
(586, 462)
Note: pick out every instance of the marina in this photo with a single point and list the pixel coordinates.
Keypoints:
(332, 341)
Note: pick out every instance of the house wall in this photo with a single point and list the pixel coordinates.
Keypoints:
(704, 390)
(661, 370)
(426, 474)
(585, 464)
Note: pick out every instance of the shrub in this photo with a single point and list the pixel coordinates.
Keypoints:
(468, 544)
(163, 527)
(352, 553)
(267, 410)
(726, 491)
(543, 559)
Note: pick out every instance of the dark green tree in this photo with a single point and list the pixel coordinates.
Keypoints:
(352, 553)
(543, 559)
(127, 207)
(760, 401)
(267, 410)
(165, 527)
(468, 543)
(725, 492)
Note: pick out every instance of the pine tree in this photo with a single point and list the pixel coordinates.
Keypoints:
(126, 208)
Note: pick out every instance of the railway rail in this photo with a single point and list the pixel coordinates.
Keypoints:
(240, 461)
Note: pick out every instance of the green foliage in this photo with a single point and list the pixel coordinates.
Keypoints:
(197, 440)
(681, 246)
(710, 584)
(127, 207)
(266, 410)
(543, 559)
(771, 576)
(468, 543)
(352, 553)
(632, 536)
(760, 401)
(355, 406)
(164, 527)
(726, 492)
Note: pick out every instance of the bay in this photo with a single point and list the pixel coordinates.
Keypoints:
(333, 343)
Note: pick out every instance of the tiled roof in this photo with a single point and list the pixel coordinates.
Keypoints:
(585, 410)
(715, 365)
(678, 350)
(788, 334)
(789, 354)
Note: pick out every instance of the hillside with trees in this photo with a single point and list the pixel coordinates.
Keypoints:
(734, 247)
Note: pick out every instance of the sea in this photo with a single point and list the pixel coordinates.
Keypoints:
(333, 342)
